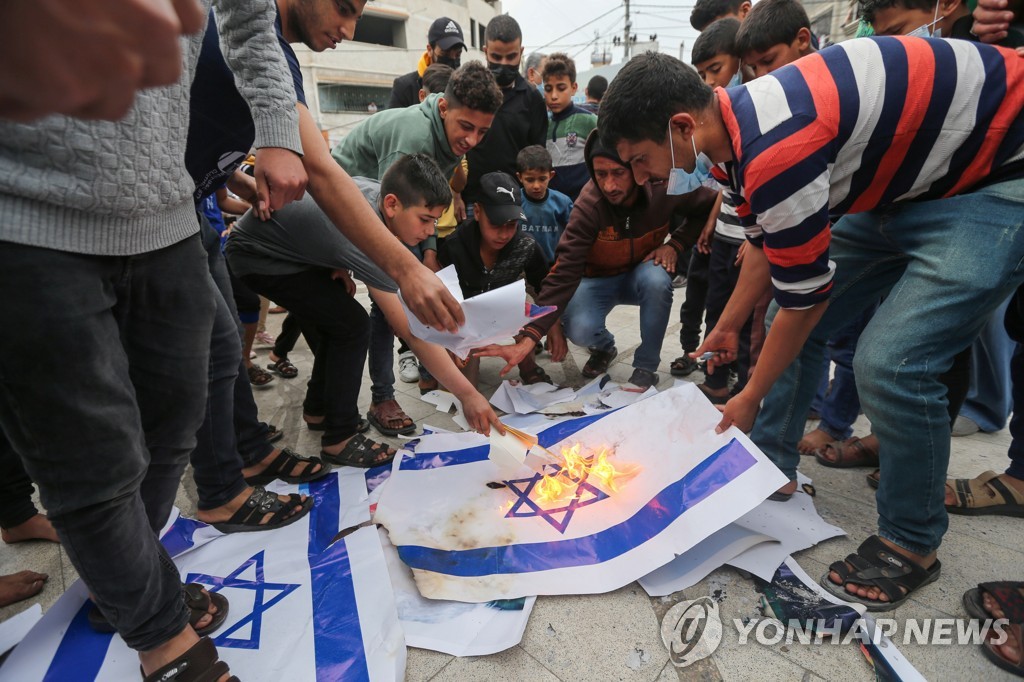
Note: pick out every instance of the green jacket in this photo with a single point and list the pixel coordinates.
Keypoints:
(383, 138)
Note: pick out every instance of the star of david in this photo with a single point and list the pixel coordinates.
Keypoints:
(525, 507)
(260, 606)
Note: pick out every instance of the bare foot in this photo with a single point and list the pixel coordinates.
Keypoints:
(20, 585)
(36, 528)
(812, 441)
(296, 470)
(873, 593)
(224, 513)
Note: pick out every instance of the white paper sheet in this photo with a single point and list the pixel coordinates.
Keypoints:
(795, 523)
(477, 543)
(491, 317)
(14, 629)
(689, 568)
(453, 627)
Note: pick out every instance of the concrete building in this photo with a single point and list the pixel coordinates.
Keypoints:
(342, 84)
(833, 21)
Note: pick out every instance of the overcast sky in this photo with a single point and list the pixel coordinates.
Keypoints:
(570, 25)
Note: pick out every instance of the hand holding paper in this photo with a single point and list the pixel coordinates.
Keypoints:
(490, 317)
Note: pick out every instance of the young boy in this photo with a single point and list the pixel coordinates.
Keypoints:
(569, 125)
(707, 12)
(714, 57)
(547, 210)
(775, 33)
(911, 189)
(490, 251)
(942, 18)
(296, 259)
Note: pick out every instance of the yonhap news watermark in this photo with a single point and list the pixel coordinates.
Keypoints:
(692, 630)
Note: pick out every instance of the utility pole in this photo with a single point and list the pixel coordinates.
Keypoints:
(626, 38)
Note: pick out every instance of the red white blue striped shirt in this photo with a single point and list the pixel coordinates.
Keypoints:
(859, 125)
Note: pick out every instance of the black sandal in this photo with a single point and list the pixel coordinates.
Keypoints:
(286, 461)
(198, 664)
(361, 452)
(876, 565)
(285, 368)
(249, 517)
(197, 599)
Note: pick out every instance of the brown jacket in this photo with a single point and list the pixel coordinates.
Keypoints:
(602, 240)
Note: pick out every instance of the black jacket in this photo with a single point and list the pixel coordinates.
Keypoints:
(522, 254)
(521, 121)
(405, 91)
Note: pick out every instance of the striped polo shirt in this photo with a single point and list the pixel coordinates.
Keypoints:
(860, 125)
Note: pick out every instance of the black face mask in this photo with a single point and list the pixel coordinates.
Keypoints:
(504, 74)
(453, 62)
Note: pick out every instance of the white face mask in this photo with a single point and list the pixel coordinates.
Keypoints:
(925, 31)
(681, 181)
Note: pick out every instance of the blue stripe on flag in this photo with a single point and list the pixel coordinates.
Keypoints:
(178, 537)
(323, 518)
(338, 639)
(80, 654)
(710, 475)
(548, 437)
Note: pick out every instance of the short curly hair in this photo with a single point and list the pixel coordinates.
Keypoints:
(559, 64)
(473, 86)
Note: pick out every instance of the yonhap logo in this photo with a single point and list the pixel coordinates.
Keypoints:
(691, 630)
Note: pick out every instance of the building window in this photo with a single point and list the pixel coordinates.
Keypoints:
(379, 30)
(482, 29)
(472, 32)
(336, 98)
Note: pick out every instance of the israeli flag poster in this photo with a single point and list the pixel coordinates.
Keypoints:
(628, 491)
(302, 605)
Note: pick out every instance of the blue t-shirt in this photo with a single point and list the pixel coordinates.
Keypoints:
(221, 130)
(546, 220)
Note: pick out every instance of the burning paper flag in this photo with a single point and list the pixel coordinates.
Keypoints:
(621, 502)
(491, 317)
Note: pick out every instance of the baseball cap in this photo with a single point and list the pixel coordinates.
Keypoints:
(445, 33)
(500, 198)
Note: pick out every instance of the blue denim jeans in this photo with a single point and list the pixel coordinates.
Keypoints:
(840, 407)
(990, 399)
(102, 389)
(381, 357)
(647, 285)
(945, 265)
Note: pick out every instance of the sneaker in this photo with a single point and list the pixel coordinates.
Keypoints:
(598, 362)
(408, 367)
(263, 340)
(643, 378)
(679, 281)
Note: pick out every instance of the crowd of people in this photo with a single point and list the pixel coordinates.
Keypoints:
(856, 206)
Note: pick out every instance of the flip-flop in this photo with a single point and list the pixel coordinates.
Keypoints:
(284, 368)
(286, 461)
(198, 664)
(877, 565)
(985, 495)
(1009, 594)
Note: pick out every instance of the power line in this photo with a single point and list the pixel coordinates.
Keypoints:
(582, 26)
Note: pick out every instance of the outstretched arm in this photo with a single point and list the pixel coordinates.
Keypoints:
(340, 199)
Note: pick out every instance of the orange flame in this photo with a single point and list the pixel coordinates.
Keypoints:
(596, 468)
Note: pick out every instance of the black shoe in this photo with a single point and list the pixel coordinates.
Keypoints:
(643, 378)
(598, 362)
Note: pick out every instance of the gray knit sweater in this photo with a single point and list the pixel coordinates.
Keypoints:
(121, 188)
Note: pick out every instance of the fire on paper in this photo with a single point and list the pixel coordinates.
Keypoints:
(633, 488)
